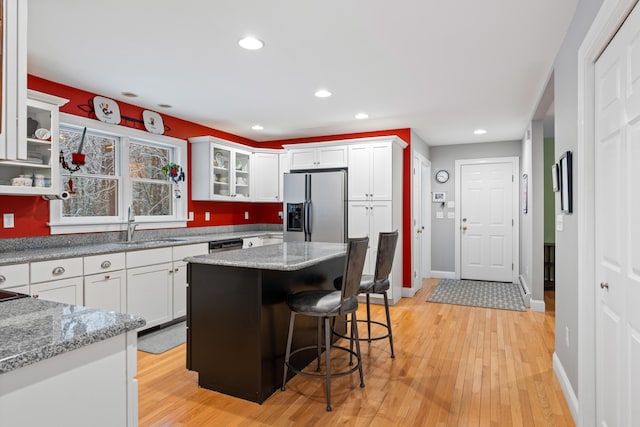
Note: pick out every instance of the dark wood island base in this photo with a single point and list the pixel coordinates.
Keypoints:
(237, 321)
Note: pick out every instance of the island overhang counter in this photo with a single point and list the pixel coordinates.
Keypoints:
(237, 316)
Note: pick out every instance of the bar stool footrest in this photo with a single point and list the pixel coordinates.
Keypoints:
(320, 375)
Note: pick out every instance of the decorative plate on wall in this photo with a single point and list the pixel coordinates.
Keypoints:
(106, 110)
(153, 122)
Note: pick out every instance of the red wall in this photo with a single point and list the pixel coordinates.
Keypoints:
(32, 213)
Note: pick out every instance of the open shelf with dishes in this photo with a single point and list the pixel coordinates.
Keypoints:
(35, 169)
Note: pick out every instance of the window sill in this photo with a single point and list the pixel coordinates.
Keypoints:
(98, 227)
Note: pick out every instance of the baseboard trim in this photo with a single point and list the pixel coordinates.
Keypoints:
(537, 305)
(565, 385)
(525, 291)
(443, 274)
(409, 292)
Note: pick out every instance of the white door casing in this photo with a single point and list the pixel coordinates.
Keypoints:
(617, 229)
(486, 219)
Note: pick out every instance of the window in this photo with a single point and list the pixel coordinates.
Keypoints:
(123, 167)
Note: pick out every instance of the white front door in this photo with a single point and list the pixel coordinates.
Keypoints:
(421, 189)
(486, 221)
(617, 228)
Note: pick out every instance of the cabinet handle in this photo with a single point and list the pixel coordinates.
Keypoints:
(107, 277)
(58, 271)
(604, 285)
(35, 296)
(175, 270)
(105, 264)
(250, 244)
(2, 278)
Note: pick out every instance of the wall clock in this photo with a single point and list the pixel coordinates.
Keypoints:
(442, 176)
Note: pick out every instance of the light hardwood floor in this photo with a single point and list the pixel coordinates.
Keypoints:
(454, 366)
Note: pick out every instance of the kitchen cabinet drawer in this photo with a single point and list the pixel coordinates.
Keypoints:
(43, 271)
(104, 263)
(14, 275)
(148, 257)
(251, 242)
(183, 251)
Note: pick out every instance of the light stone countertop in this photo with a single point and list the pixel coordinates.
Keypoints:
(32, 330)
(45, 254)
(282, 256)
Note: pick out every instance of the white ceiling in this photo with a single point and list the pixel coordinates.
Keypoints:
(442, 68)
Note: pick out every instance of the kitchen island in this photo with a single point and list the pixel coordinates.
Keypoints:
(237, 316)
(67, 365)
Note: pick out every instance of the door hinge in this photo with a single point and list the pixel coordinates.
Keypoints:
(511, 266)
(513, 222)
(513, 178)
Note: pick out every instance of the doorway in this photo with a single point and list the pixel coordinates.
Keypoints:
(421, 215)
(486, 219)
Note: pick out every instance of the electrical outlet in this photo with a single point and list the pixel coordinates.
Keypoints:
(280, 214)
(190, 216)
(246, 214)
(7, 220)
(207, 216)
(566, 335)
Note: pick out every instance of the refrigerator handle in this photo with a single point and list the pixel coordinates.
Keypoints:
(307, 221)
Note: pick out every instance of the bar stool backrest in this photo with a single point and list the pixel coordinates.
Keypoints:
(387, 242)
(353, 267)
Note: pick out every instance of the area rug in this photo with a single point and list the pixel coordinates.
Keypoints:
(505, 296)
(164, 339)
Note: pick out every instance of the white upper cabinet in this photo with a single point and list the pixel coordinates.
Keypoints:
(370, 171)
(318, 157)
(38, 171)
(13, 70)
(266, 178)
(220, 170)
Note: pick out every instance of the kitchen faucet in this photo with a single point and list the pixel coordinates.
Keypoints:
(131, 225)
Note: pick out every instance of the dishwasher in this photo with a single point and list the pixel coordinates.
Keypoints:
(224, 245)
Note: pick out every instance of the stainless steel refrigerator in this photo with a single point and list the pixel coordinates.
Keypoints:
(315, 206)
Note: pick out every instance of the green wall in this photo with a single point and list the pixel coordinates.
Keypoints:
(549, 195)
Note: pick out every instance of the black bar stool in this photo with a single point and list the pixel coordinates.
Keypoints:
(325, 305)
(378, 284)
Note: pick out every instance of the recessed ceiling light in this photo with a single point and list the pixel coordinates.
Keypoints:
(250, 43)
(257, 127)
(323, 93)
(164, 105)
(479, 131)
(362, 116)
(130, 94)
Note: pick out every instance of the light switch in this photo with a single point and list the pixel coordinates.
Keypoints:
(559, 222)
(190, 216)
(207, 216)
(451, 204)
(451, 215)
(440, 215)
(246, 214)
(7, 220)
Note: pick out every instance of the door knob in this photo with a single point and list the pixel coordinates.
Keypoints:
(464, 219)
(604, 285)
(419, 231)
(464, 228)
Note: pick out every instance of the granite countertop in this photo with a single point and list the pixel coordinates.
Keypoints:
(283, 256)
(44, 254)
(32, 330)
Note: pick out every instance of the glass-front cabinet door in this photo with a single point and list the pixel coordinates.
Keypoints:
(39, 171)
(231, 171)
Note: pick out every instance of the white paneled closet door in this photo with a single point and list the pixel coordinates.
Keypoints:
(617, 212)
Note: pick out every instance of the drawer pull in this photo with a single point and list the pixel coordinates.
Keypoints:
(2, 279)
(35, 296)
(107, 277)
(58, 271)
(105, 264)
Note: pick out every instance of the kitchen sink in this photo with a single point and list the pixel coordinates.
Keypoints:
(165, 242)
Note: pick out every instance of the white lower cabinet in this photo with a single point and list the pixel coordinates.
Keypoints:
(58, 280)
(180, 275)
(15, 278)
(106, 291)
(105, 282)
(369, 219)
(150, 293)
(66, 291)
